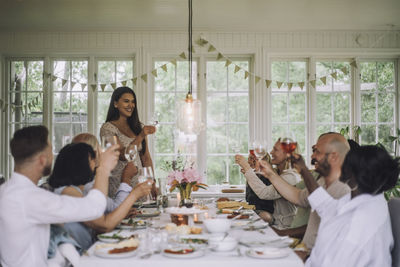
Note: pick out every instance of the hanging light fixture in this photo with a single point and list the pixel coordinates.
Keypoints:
(189, 109)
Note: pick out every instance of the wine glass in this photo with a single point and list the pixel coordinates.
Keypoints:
(260, 149)
(236, 149)
(131, 153)
(146, 175)
(289, 144)
(107, 141)
(154, 119)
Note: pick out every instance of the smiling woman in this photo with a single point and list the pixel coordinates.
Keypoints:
(123, 122)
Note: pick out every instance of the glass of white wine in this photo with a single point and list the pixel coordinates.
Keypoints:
(146, 175)
(108, 141)
(131, 153)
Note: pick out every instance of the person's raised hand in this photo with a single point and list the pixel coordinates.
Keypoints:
(128, 173)
(142, 189)
(298, 162)
(109, 158)
(148, 129)
(252, 160)
(239, 159)
(266, 168)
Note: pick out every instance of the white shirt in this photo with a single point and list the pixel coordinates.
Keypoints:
(26, 212)
(353, 232)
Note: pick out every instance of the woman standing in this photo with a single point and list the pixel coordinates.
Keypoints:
(123, 122)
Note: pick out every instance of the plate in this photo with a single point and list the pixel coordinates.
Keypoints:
(268, 253)
(109, 237)
(150, 212)
(132, 224)
(183, 210)
(103, 253)
(194, 254)
(194, 240)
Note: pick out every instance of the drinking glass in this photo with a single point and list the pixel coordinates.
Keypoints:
(107, 141)
(289, 144)
(236, 149)
(260, 149)
(154, 119)
(131, 153)
(146, 175)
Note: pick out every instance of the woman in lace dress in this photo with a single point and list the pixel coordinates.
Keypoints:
(123, 122)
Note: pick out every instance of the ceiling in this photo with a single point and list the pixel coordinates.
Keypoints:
(209, 15)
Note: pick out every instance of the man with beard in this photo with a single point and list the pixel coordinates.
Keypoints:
(329, 154)
(26, 211)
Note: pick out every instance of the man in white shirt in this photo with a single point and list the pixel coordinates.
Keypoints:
(26, 211)
(330, 151)
(355, 230)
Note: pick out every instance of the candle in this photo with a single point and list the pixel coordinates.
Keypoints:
(178, 199)
(195, 218)
(205, 215)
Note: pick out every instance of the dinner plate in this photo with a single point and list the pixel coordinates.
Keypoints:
(268, 253)
(103, 253)
(108, 237)
(150, 212)
(194, 254)
(136, 224)
(194, 240)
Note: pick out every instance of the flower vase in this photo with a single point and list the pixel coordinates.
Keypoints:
(186, 192)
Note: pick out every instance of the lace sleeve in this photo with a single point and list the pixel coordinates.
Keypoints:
(107, 129)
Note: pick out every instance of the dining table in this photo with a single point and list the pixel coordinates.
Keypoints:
(258, 234)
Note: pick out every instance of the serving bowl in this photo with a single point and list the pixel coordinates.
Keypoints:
(221, 243)
(217, 225)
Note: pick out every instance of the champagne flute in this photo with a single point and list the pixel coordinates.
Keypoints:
(146, 175)
(260, 150)
(131, 153)
(236, 150)
(289, 144)
(107, 141)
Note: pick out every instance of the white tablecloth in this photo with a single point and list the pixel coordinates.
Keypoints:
(211, 259)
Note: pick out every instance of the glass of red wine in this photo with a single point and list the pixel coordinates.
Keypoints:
(289, 144)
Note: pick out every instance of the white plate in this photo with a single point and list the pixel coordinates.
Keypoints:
(103, 237)
(195, 254)
(183, 210)
(150, 212)
(203, 237)
(133, 226)
(103, 253)
(268, 253)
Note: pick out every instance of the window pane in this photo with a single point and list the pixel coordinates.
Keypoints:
(216, 169)
(368, 134)
(341, 107)
(165, 139)
(165, 106)
(385, 71)
(386, 107)
(368, 107)
(323, 106)
(236, 80)
(216, 76)
(297, 109)
(216, 108)
(35, 75)
(238, 104)
(279, 107)
(164, 80)
(216, 139)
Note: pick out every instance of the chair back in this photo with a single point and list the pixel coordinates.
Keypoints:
(394, 209)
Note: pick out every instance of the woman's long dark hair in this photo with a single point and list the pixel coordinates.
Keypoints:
(133, 121)
(72, 166)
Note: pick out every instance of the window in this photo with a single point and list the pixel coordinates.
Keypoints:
(289, 105)
(333, 98)
(378, 98)
(25, 96)
(109, 72)
(69, 101)
(169, 88)
(227, 120)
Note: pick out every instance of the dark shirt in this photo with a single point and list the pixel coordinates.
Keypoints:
(253, 199)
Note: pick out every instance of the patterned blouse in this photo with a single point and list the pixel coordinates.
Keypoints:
(109, 129)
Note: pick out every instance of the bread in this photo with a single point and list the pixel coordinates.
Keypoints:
(196, 230)
(234, 205)
(221, 199)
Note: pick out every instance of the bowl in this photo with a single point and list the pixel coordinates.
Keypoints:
(217, 225)
(219, 243)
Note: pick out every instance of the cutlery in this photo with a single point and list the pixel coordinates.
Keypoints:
(146, 256)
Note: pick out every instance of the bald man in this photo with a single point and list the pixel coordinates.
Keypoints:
(328, 156)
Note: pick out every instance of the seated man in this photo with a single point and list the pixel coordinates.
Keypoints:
(26, 211)
(330, 151)
(284, 211)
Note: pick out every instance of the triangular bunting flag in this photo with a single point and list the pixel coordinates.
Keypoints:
(257, 79)
(164, 67)
(173, 62)
(289, 86)
(54, 78)
(219, 56)
(182, 55)
(301, 84)
(144, 77)
(154, 72)
(72, 85)
(93, 86)
(354, 64)
(228, 62)
(237, 68)
(134, 80)
(83, 85)
(323, 80)
(63, 82)
(201, 42)
(279, 84)
(344, 70)
(113, 85)
(268, 83)
(246, 74)
(124, 83)
(103, 86)
(211, 48)
(334, 75)
(312, 82)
